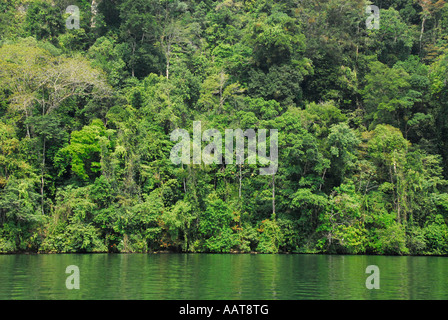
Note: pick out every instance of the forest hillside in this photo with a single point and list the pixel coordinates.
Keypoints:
(92, 91)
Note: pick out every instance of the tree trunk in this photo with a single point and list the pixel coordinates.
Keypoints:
(42, 179)
(167, 67)
(134, 46)
(94, 10)
(421, 33)
(396, 190)
(273, 196)
(222, 82)
(27, 125)
(239, 192)
(183, 180)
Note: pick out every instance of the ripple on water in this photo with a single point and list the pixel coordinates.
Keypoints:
(206, 276)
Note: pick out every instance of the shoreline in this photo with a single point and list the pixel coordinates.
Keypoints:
(167, 252)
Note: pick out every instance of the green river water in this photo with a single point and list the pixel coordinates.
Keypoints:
(221, 276)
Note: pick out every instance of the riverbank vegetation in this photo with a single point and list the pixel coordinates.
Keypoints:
(86, 116)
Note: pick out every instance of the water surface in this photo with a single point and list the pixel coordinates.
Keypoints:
(221, 276)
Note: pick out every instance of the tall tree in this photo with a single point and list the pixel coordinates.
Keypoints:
(45, 82)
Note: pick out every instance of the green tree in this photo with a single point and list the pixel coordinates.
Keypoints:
(44, 21)
(215, 226)
(85, 149)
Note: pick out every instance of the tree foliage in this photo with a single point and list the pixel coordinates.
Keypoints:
(86, 117)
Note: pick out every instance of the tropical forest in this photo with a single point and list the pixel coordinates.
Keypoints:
(91, 91)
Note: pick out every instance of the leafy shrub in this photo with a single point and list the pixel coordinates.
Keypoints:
(7, 246)
(436, 236)
(75, 237)
(271, 237)
(392, 240)
(415, 240)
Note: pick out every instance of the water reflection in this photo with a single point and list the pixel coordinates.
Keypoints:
(204, 276)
